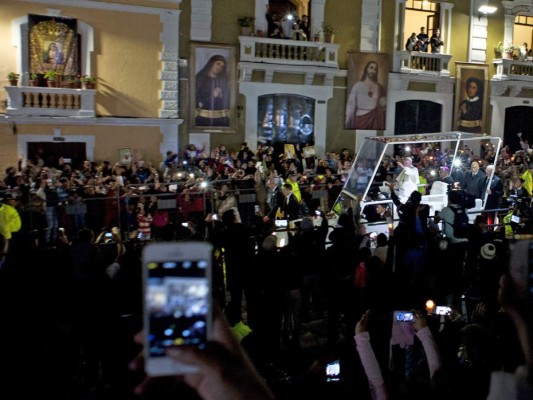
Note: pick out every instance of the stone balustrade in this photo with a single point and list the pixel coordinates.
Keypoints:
(513, 70)
(52, 102)
(425, 63)
(289, 52)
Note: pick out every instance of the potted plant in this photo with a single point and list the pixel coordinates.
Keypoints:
(34, 80)
(511, 51)
(51, 77)
(88, 82)
(73, 82)
(13, 78)
(316, 37)
(247, 25)
(498, 50)
(329, 32)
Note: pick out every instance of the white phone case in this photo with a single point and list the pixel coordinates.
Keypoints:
(155, 254)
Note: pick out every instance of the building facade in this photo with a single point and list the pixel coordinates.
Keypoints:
(150, 58)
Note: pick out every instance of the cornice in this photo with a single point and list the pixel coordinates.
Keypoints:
(97, 5)
(101, 121)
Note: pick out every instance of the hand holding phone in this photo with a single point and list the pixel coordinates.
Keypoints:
(177, 302)
(211, 380)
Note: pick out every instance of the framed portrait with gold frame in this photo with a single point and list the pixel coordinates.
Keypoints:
(471, 97)
(213, 87)
(54, 45)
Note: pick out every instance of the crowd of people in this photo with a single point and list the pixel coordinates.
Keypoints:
(358, 283)
(287, 27)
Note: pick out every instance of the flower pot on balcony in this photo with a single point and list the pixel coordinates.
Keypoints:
(316, 37)
(34, 82)
(329, 37)
(246, 31)
(14, 82)
(497, 54)
(87, 85)
(51, 84)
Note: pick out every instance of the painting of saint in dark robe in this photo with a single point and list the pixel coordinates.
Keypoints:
(212, 93)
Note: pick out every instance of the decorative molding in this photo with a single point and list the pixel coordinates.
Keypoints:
(370, 25)
(102, 6)
(100, 121)
(201, 20)
(23, 140)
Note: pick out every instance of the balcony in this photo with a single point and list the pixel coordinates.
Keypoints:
(288, 52)
(424, 63)
(515, 70)
(50, 102)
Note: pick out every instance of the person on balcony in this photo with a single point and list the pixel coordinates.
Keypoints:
(423, 40)
(436, 42)
(471, 108)
(410, 45)
(298, 33)
(275, 30)
(366, 104)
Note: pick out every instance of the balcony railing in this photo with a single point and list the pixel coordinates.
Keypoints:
(513, 70)
(291, 52)
(52, 102)
(425, 63)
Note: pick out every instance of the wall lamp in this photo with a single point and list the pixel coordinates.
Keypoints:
(487, 9)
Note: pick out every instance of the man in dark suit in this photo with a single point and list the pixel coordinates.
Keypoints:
(474, 181)
(290, 207)
(276, 199)
(494, 193)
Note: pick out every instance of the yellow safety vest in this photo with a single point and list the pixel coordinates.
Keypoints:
(508, 229)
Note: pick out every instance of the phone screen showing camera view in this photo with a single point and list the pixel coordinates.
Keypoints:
(402, 316)
(177, 301)
(333, 371)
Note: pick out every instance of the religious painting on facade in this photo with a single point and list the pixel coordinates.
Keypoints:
(125, 156)
(53, 45)
(367, 91)
(471, 97)
(213, 88)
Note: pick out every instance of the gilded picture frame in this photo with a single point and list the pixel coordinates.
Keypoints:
(213, 87)
(471, 97)
(54, 45)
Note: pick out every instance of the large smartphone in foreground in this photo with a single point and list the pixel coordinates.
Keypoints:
(177, 302)
(521, 269)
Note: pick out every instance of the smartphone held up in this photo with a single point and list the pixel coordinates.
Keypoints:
(177, 302)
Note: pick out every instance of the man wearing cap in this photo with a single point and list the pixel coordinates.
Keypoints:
(408, 179)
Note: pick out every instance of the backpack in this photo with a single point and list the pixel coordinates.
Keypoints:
(461, 223)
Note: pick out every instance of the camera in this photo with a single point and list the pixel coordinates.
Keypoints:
(404, 316)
